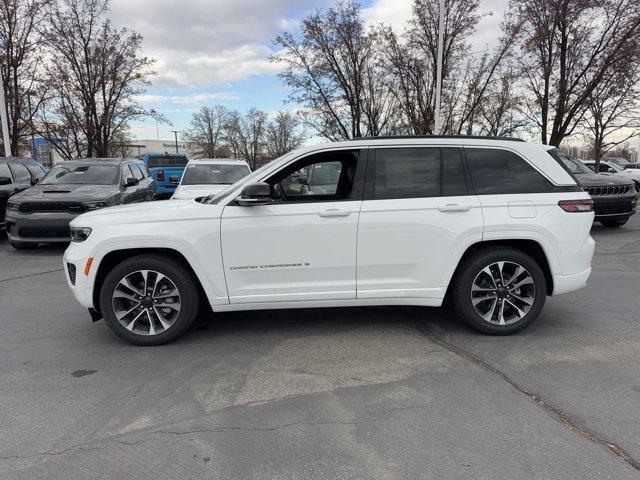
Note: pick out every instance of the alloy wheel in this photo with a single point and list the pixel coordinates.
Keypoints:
(146, 302)
(502, 293)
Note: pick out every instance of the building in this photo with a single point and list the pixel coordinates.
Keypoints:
(140, 147)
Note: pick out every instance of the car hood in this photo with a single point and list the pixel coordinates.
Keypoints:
(85, 193)
(195, 191)
(601, 179)
(145, 212)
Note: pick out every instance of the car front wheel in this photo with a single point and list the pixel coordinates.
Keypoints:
(149, 299)
(499, 291)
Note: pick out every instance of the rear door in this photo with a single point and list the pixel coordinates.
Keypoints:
(417, 217)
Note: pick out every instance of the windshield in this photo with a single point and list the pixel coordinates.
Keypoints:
(81, 175)
(252, 177)
(617, 162)
(211, 174)
(574, 166)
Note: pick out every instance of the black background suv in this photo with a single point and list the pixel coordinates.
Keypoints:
(42, 213)
(16, 174)
(614, 198)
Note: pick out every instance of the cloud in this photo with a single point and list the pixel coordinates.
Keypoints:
(197, 98)
(199, 42)
(395, 13)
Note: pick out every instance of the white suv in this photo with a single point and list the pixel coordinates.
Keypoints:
(492, 225)
(205, 176)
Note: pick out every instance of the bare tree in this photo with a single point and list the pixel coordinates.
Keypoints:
(95, 74)
(21, 54)
(501, 111)
(207, 131)
(410, 62)
(246, 136)
(613, 115)
(283, 135)
(567, 47)
(331, 68)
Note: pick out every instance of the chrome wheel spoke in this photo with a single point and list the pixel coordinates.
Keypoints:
(525, 281)
(130, 325)
(521, 312)
(525, 300)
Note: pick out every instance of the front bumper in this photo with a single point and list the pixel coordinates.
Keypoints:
(82, 285)
(614, 208)
(35, 227)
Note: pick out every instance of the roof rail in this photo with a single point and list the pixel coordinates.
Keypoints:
(474, 137)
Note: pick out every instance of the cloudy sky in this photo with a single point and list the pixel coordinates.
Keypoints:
(217, 52)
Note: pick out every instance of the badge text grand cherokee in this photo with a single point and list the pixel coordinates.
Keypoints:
(495, 225)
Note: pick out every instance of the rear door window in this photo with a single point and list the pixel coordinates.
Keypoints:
(496, 171)
(406, 173)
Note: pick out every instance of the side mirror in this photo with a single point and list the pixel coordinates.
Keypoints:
(174, 179)
(34, 181)
(131, 182)
(5, 181)
(255, 194)
(303, 180)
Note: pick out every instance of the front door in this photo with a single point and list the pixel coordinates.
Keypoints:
(302, 246)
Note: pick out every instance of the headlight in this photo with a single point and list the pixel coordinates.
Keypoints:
(80, 234)
(95, 205)
(14, 206)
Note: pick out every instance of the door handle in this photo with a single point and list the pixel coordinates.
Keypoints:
(454, 207)
(334, 212)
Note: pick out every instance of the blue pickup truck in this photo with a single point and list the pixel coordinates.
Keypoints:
(164, 166)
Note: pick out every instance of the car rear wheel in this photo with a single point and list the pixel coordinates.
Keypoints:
(149, 299)
(613, 223)
(23, 245)
(499, 291)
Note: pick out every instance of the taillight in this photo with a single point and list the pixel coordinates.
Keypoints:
(576, 205)
(161, 175)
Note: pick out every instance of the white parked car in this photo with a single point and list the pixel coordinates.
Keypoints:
(612, 167)
(493, 225)
(209, 175)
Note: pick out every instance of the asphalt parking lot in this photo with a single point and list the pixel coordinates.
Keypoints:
(340, 393)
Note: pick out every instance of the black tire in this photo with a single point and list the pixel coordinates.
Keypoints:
(181, 277)
(470, 269)
(613, 223)
(23, 245)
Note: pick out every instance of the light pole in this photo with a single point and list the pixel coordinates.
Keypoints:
(175, 133)
(33, 141)
(4, 119)
(439, 67)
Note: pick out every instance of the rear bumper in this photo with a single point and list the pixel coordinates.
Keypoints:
(569, 283)
(46, 227)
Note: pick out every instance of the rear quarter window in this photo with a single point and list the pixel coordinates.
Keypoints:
(496, 171)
